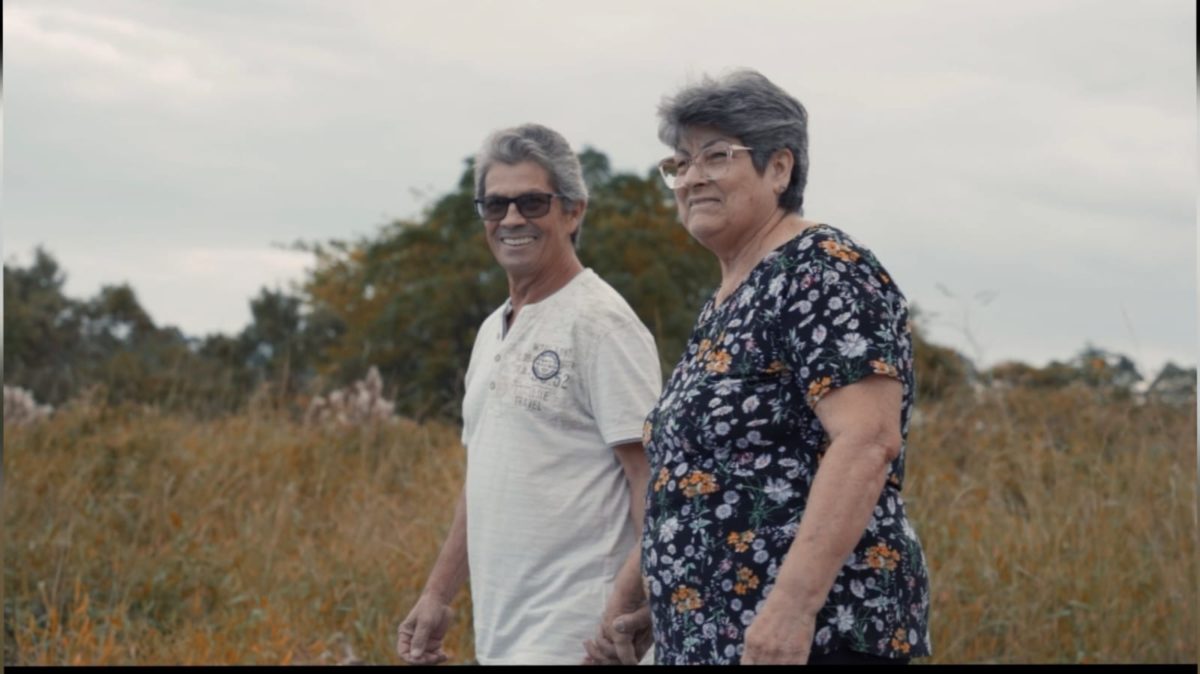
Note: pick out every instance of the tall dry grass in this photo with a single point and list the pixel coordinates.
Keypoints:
(1059, 527)
(134, 537)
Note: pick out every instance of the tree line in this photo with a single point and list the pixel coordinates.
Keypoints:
(408, 299)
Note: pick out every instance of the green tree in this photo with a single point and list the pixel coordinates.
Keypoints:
(41, 329)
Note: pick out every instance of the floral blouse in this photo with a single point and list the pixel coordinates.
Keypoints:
(734, 445)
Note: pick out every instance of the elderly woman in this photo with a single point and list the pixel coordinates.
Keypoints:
(775, 531)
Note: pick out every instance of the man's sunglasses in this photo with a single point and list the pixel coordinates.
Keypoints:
(529, 205)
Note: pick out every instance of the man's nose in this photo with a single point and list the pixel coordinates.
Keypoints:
(512, 216)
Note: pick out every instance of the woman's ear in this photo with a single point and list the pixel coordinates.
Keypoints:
(780, 168)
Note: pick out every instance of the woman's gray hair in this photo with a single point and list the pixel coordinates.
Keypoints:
(748, 106)
(544, 147)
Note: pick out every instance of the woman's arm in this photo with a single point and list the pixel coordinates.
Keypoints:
(863, 423)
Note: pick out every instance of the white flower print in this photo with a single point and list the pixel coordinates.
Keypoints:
(852, 345)
(724, 511)
(750, 404)
(778, 490)
(844, 620)
(722, 428)
(818, 335)
(823, 635)
(667, 532)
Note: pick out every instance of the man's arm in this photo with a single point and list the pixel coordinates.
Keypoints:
(625, 626)
(419, 637)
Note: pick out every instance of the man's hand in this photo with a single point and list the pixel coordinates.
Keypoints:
(622, 638)
(780, 635)
(419, 637)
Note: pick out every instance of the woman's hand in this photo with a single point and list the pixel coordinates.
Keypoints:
(779, 635)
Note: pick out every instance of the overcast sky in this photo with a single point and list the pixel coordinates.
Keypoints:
(1027, 171)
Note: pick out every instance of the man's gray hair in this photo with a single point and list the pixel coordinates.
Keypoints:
(746, 105)
(544, 147)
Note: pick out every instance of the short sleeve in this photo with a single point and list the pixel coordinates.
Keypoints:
(842, 319)
(624, 382)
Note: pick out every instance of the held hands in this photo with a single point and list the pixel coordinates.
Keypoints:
(779, 636)
(419, 637)
(623, 637)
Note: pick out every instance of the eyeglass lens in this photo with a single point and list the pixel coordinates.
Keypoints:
(531, 205)
(712, 162)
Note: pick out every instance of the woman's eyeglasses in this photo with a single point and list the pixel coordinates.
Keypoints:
(529, 205)
(713, 163)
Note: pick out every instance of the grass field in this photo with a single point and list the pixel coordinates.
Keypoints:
(1059, 527)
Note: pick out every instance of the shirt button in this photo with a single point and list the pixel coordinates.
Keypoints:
(492, 386)
(497, 358)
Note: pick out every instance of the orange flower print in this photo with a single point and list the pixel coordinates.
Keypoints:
(882, 557)
(881, 367)
(900, 640)
(775, 367)
(697, 483)
(705, 347)
(746, 580)
(686, 599)
(740, 542)
(664, 477)
(839, 251)
(818, 389)
(647, 431)
(718, 361)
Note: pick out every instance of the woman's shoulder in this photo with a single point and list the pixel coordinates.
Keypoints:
(822, 237)
(826, 244)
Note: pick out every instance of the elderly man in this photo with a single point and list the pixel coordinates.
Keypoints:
(559, 383)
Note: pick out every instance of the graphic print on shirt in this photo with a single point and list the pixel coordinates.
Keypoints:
(540, 377)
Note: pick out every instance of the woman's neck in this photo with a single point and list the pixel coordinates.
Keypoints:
(741, 259)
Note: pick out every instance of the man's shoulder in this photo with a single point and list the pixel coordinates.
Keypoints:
(600, 305)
